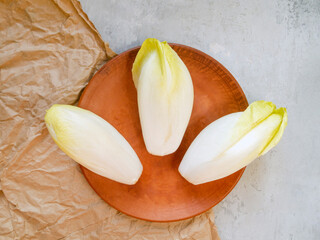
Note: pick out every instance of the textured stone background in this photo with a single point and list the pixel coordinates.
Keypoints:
(273, 50)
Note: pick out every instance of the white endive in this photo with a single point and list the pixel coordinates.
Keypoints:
(232, 142)
(94, 143)
(165, 96)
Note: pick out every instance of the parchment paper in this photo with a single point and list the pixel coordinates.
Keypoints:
(48, 51)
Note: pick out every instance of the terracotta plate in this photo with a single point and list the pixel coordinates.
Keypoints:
(161, 194)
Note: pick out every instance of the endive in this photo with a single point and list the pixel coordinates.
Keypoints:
(94, 143)
(165, 96)
(232, 142)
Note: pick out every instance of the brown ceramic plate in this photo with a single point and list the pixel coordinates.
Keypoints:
(161, 194)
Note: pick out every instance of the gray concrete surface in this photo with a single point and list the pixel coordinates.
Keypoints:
(273, 50)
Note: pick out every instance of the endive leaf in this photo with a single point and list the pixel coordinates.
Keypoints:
(282, 112)
(165, 96)
(252, 116)
(94, 143)
(149, 46)
(231, 143)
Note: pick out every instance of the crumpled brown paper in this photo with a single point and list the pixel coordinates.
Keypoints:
(48, 51)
